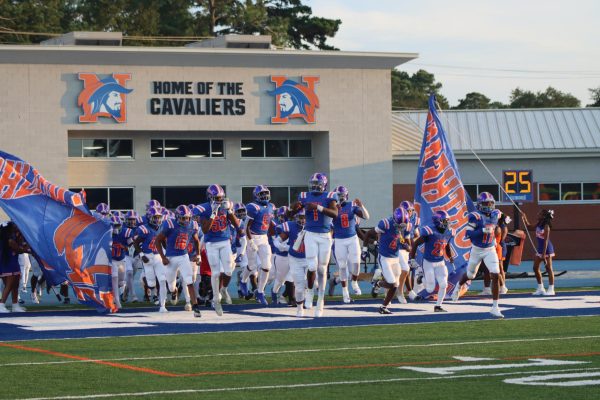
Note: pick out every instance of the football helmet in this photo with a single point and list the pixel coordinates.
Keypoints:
(240, 211)
(152, 203)
(408, 206)
(215, 193)
(400, 217)
(184, 215)
(102, 209)
(118, 214)
(155, 216)
(196, 214)
(131, 219)
(116, 224)
(486, 202)
(300, 218)
(262, 194)
(282, 214)
(342, 192)
(317, 183)
(440, 219)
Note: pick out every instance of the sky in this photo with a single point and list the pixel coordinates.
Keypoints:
(482, 46)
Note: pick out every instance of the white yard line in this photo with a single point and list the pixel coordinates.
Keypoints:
(300, 385)
(260, 353)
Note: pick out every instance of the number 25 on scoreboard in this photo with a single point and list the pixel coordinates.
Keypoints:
(517, 185)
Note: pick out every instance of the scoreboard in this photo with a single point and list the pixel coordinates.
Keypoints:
(518, 185)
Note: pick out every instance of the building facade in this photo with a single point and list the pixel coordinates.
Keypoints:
(129, 124)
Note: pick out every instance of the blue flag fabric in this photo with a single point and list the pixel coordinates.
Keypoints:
(72, 245)
(439, 187)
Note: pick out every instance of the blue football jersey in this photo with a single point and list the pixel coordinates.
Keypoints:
(435, 242)
(275, 250)
(476, 225)
(344, 226)
(147, 233)
(259, 217)
(293, 230)
(317, 221)
(219, 230)
(178, 237)
(121, 243)
(391, 240)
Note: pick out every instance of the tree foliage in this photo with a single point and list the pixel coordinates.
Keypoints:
(412, 91)
(595, 96)
(549, 98)
(290, 22)
(473, 101)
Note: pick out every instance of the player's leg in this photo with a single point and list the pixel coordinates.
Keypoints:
(311, 250)
(299, 270)
(264, 254)
(405, 268)
(491, 260)
(390, 270)
(149, 276)
(214, 260)
(282, 268)
(130, 292)
(115, 282)
(324, 253)
(354, 264)
(160, 271)
(25, 267)
(475, 258)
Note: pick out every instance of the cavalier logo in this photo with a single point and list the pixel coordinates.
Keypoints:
(294, 100)
(103, 97)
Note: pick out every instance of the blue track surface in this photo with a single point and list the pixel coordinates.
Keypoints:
(18, 326)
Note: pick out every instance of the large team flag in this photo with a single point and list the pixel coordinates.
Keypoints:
(73, 246)
(439, 187)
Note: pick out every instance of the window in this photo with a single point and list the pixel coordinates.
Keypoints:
(569, 191)
(279, 148)
(474, 190)
(172, 196)
(280, 195)
(101, 148)
(186, 148)
(116, 198)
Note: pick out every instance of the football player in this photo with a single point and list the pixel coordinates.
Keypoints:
(290, 240)
(280, 260)
(120, 243)
(260, 215)
(320, 208)
(131, 222)
(482, 229)
(172, 244)
(144, 243)
(102, 212)
(347, 246)
(392, 233)
(437, 239)
(415, 222)
(215, 217)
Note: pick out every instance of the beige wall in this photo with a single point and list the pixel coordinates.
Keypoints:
(351, 138)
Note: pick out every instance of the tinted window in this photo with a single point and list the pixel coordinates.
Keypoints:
(187, 148)
(472, 191)
(217, 148)
(156, 148)
(493, 189)
(300, 148)
(295, 192)
(279, 196)
(95, 196)
(570, 191)
(172, 196)
(74, 147)
(247, 194)
(120, 148)
(94, 148)
(121, 198)
(276, 148)
(591, 191)
(253, 148)
(549, 192)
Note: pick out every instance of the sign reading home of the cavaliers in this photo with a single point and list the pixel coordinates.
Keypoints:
(197, 98)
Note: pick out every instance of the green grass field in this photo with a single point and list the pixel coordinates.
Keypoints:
(327, 363)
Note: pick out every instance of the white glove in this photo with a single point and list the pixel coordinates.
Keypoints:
(214, 208)
(252, 246)
(413, 263)
(280, 245)
(226, 205)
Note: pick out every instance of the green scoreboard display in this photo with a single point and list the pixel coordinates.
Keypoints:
(518, 185)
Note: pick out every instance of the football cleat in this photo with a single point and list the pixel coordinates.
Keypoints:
(549, 292)
(456, 293)
(34, 298)
(188, 307)
(3, 309)
(67, 300)
(346, 298)
(332, 284)
(225, 295)
(401, 298)
(495, 311)
(319, 308)
(439, 309)
(196, 310)
(412, 295)
(308, 301)
(486, 291)
(356, 288)
(174, 297)
(244, 289)
(503, 290)
(162, 310)
(218, 308)
(300, 310)
(260, 297)
(375, 289)
(17, 308)
(155, 300)
(384, 310)
(273, 298)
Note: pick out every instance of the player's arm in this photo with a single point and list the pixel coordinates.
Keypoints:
(449, 253)
(137, 240)
(413, 251)
(161, 243)
(294, 208)
(361, 211)
(330, 211)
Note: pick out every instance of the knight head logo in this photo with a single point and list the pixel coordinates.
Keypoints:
(103, 97)
(294, 100)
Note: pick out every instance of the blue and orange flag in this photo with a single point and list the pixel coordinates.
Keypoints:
(73, 246)
(439, 187)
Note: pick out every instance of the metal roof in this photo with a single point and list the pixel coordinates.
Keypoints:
(504, 130)
(198, 56)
